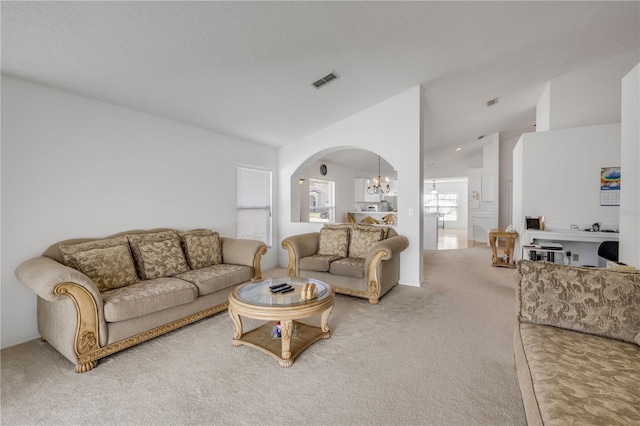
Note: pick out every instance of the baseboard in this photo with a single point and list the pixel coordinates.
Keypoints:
(18, 340)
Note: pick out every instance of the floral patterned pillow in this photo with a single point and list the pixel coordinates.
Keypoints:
(363, 239)
(158, 254)
(202, 248)
(107, 262)
(162, 258)
(108, 268)
(334, 242)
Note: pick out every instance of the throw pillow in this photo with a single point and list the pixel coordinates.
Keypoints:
(334, 242)
(385, 229)
(362, 239)
(157, 254)
(202, 248)
(106, 268)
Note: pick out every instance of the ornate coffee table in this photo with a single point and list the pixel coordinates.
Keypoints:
(255, 300)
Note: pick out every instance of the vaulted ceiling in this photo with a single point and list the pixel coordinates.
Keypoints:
(245, 68)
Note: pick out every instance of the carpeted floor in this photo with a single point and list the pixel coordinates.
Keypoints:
(437, 355)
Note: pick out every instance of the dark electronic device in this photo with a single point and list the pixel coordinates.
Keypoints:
(282, 289)
(533, 222)
(277, 286)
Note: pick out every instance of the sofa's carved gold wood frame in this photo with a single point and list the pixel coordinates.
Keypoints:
(257, 269)
(86, 339)
(291, 269)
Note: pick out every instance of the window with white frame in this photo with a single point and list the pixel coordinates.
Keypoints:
(253, 206)
(443, 203)
(321, 200)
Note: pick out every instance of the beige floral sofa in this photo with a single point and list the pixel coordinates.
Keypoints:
(99, 296)
(576, 344)
(355, 259)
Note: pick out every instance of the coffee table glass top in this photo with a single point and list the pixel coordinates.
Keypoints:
(258, 293)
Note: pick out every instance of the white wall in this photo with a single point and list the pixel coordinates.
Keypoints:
(391, 129)
(543, 110)
(561, 175)
(506, 180)
(591, 95)
(557, 175)
(76, 167)
(630, 184)
(455, 169)
(485, 180)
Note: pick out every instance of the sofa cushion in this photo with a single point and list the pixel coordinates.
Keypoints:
(107, 262)
(334, 242)
(580, 378)
(158, 254)
(146, 297)
(201, 248)
(350, 267)
(317, 262)
(363, 238)
(217, 277)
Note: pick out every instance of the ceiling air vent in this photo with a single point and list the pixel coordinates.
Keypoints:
(492, 102)
(324, 80)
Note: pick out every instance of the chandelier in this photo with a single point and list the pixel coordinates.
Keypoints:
(433, 189)
(377, 184)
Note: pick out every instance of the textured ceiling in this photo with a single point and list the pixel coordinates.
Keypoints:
(245, 68)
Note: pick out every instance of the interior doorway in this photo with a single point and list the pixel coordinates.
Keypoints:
(447, 200)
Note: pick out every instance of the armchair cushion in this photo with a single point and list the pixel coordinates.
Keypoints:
(334, 242)
(317, 262)
(363, 239)
(157, 255)
(202, 248)
(107, 262)
(349, 266)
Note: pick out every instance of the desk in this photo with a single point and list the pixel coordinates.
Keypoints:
(584, 243)
(510, 237)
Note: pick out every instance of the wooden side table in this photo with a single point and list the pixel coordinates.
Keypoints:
(510, 238)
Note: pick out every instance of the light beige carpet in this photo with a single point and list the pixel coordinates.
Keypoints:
(437, 355)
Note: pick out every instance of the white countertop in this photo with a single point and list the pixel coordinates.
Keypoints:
(582, 236)
(371, 212)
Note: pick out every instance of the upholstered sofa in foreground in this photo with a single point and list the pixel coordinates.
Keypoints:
(99, 296)
(576, 344)
(357, 260)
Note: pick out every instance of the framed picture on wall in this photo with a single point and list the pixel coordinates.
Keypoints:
(610, 186)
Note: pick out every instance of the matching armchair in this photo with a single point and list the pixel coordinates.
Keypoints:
(355, 259)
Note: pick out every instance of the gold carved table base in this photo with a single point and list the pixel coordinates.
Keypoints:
(286, 348)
